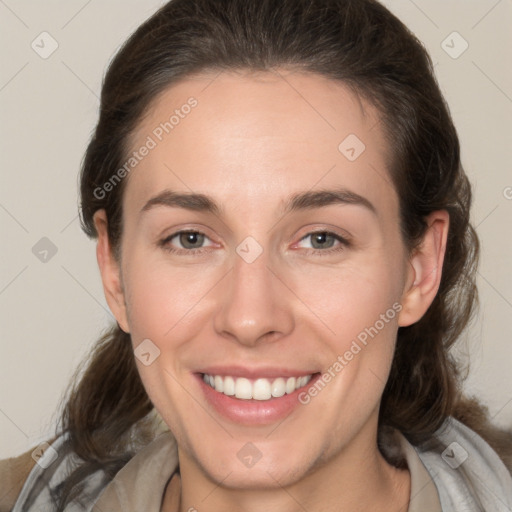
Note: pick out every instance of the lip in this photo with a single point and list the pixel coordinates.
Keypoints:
(253, 412)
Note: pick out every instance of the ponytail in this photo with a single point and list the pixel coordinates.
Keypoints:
(106, 415)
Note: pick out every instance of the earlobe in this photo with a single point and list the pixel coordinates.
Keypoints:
(110, 272)
(425, 270)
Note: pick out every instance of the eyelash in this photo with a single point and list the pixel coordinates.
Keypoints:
(164, 244)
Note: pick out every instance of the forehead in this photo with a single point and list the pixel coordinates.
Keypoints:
(256, 137)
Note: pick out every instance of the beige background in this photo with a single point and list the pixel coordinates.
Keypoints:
(52, 312)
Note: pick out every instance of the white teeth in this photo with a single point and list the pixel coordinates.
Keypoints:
(229, 386)
(243, 388)
(278, 387)
(301, 381)
(219, 383)
(290, 385)
(259, 389)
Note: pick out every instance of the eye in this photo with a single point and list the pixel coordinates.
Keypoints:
(323, 241)
(189, 240)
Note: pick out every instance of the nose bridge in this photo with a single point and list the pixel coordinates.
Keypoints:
(253, 305)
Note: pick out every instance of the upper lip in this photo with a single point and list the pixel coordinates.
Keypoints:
(268, 372)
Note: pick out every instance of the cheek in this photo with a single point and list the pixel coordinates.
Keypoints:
(359, 306)
(162, 299)
(353, 296)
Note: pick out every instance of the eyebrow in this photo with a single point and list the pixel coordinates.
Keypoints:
(296, 202)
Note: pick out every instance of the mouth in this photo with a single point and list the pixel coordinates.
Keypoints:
(255, 389)
(254, 398)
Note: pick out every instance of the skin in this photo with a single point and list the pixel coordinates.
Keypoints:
(254, 139)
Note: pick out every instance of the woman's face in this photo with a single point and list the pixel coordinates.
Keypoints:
(253, 294)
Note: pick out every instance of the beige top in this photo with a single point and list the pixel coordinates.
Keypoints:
(141, 483)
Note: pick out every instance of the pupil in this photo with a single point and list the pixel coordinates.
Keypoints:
(190, 238)
(320, 237)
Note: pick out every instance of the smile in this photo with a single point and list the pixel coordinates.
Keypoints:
(255, 389)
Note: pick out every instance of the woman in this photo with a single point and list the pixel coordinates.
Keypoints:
(252, 367)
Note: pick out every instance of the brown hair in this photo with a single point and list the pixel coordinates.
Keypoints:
(360, 43)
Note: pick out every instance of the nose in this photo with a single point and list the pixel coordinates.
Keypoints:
(256, 306)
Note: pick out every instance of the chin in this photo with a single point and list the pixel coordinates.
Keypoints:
(256, 478)
(242, 465)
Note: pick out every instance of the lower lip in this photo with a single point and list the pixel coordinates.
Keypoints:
(253, 412)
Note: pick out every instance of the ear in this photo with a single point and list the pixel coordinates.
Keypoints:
(425, 269)
(110, 271)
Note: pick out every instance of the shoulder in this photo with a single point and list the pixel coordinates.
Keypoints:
(29, 481)
(473, 414)
(13, 474)
(467, 471)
